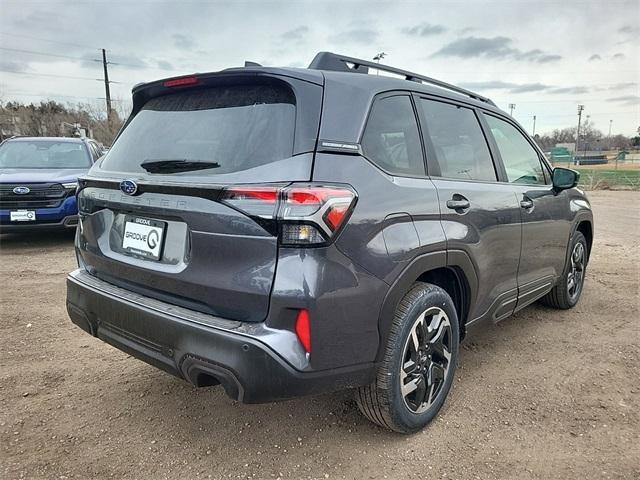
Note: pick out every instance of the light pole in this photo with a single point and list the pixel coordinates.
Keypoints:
(533, 134)
(580, 109)
(584, 144)
(511, 107)
(609, 136)
(379, 57)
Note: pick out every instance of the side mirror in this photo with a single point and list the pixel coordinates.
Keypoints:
(564, 178)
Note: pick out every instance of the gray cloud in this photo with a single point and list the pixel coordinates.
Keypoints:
(630, 29)
(622, 86)
(627, 100)
(570, 90)
(164, 65)
(13, 66)
(525, 87)
(496, 48)
(128, 60)
(618, 56)
(529, 87)
(424, 30)
(183, 41)
(356, 35)
(296, 35)
(595, 57)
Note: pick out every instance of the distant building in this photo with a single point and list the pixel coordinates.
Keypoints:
(571, 147)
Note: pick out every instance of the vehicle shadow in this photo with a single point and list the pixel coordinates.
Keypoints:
(194, 415)
(37, 239)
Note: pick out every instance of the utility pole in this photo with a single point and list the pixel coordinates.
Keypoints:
(609, 136)
(106, 85)
(534, 127)
(580, 109)
(511, 107)
(584, 144)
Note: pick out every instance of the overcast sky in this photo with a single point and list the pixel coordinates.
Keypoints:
(546, 56)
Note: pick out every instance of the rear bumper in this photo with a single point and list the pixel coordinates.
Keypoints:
(253, 363)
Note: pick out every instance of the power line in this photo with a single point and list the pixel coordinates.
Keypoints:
(15, 72)
(49, 54)
(81, 59)
(43, 95)
(46, 40)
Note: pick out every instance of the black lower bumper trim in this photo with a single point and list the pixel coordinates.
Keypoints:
(248, 369)
(67, 223)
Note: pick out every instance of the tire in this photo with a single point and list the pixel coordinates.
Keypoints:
(385, 402)
(567, 291)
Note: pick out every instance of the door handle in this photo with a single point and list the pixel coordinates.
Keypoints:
(458, 202)
(526, 203)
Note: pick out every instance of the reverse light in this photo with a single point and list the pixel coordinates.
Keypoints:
(303, 329)
(314, 212)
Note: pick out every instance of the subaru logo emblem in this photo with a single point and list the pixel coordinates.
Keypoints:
(21, 190)
(128, 187)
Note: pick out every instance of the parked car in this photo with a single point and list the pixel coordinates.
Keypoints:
(38, 180)
(285, 231)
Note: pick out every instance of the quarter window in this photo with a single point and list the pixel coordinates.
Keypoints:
(521, 161)
(391, 139)
(458, 142)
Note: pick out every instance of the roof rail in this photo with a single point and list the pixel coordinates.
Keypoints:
(341, 63)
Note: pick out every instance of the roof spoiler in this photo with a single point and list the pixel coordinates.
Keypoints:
(341, 63)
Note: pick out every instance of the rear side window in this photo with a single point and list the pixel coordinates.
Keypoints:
(235, 128)
(391, 139)
(458, 142)
(520, 159)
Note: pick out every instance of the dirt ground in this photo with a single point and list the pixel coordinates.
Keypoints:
(544, 394)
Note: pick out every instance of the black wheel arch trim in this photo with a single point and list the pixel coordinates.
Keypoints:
(581, 217)
(418, 266)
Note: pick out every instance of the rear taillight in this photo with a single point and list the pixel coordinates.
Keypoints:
(306, 214)
(311, 214)
(256, 201)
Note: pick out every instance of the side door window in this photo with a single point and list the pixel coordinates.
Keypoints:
(459, 146)
(391, 139)
(479, 215)
(521, 161)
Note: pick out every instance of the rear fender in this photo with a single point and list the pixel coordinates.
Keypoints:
(419, 266)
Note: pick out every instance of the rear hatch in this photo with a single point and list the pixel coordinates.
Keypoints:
(173, 211)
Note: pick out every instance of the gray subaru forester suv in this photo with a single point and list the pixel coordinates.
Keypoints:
(283, 232)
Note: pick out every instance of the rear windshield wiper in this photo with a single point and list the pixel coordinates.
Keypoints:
(175, 166)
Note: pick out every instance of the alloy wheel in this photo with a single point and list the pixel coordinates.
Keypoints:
(426, 359)
(575, 277)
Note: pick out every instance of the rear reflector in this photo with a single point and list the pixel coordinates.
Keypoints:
(303, 330)
(181, 82)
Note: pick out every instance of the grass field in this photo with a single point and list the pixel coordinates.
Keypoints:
(601, 179)
(604, 177)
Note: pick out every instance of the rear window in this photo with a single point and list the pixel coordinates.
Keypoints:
(234, 128)
(43, 154)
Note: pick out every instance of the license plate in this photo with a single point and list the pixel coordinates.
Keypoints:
(143, 236)
(23, 216)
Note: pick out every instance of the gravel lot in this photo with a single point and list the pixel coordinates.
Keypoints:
(544, 394)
